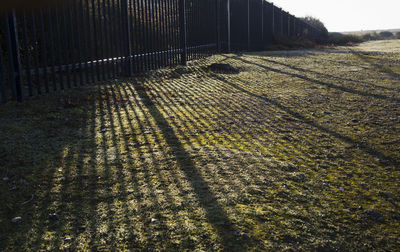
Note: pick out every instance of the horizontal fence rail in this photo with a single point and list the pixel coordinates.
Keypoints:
(84, 41)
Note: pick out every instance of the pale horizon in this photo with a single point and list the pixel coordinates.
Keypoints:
(345, 16)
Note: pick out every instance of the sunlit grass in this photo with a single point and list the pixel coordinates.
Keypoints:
(291, 152)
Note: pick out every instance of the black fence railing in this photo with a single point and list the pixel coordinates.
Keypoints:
(84, 41)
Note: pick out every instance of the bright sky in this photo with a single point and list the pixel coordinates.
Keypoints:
(347, 15)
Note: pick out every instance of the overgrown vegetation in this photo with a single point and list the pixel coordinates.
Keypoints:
(336, 38)
(292, 43)
(315, 22)
(340, 39)
(299, 151)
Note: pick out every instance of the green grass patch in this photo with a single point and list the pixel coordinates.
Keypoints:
(299, 150)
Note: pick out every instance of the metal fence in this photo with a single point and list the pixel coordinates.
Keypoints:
(84, 41)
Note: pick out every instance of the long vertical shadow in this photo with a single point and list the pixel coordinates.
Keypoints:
(215, 213)
(330, 85)
(201, 119)
(324, 74)
(380, 67)
(383, 159)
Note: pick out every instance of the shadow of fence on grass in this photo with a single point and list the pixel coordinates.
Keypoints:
(215, 213)
(330, 85)
(383, 159)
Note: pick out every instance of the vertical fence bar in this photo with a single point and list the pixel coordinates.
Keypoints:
(71, 42)
(79, 23)
(192, 14)
(273, 19)
(196, 39)
(175, 9)
(11, 66)
(182, 25)
(59, 49)
(50, 35)
(14, 57)
(217, 26)
(248, 26)
(167, 32)
(294, 27)
(64, 35)
(127, 32)
(190, 23)
(122, 42)
(2, 79)
(163, 32)
(144, 41)
(113, 32)
(107, 33)
(262, 23)
(115, 36)
(89, 47)
(228, 9)
(36, 55)
(149, 36)
(153, 34)
(136, 48)
(154, 38)
(27, 54)
(131, 37)
(95, 40)
(101, 39)
(160, 35)
(171, 29)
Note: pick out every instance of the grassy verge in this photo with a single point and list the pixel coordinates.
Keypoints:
(300, 150)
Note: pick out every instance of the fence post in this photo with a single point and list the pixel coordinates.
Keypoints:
(228, 9)
(182, 25)
(2, 79)
(127, 28)
(14, 58)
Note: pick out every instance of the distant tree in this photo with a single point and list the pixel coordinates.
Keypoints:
(386, 34)
(315, 22)
(398, 35)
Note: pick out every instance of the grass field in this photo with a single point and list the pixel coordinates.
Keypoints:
(300, 150)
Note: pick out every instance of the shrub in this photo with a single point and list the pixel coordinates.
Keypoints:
(386, 34)
(285, 43)
(368, 37)
(336, 38)
(398, 35)
(315, 22)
